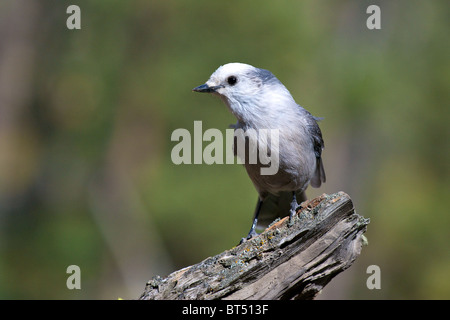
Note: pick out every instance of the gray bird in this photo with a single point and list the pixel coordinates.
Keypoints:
(260, 101)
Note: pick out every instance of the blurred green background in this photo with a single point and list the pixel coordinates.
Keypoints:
(86, 118)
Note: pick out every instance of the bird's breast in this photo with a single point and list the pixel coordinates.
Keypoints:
(276, 160)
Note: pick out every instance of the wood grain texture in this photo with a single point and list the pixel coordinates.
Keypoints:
(289, 260)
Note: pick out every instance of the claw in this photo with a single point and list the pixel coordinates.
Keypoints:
(250, 235)
(294, 206)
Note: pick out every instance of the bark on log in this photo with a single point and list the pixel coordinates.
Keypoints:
(289, 260)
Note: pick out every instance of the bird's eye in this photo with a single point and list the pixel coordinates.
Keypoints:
(231, 80)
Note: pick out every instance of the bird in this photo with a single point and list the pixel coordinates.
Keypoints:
(259, 101)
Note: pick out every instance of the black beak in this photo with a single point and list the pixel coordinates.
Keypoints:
(206, 88)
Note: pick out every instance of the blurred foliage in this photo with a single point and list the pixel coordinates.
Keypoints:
(87, 115)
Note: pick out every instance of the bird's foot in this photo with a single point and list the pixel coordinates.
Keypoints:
(250, 235)
(293, 210)
(292, 214)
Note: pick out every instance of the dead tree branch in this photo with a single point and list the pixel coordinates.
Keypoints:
(289, 260)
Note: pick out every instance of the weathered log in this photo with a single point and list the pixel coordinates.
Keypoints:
(289, 260)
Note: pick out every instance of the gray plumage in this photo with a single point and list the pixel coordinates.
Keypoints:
(260, 101)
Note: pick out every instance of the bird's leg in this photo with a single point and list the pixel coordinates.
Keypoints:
(252, 233)
(294, 206)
